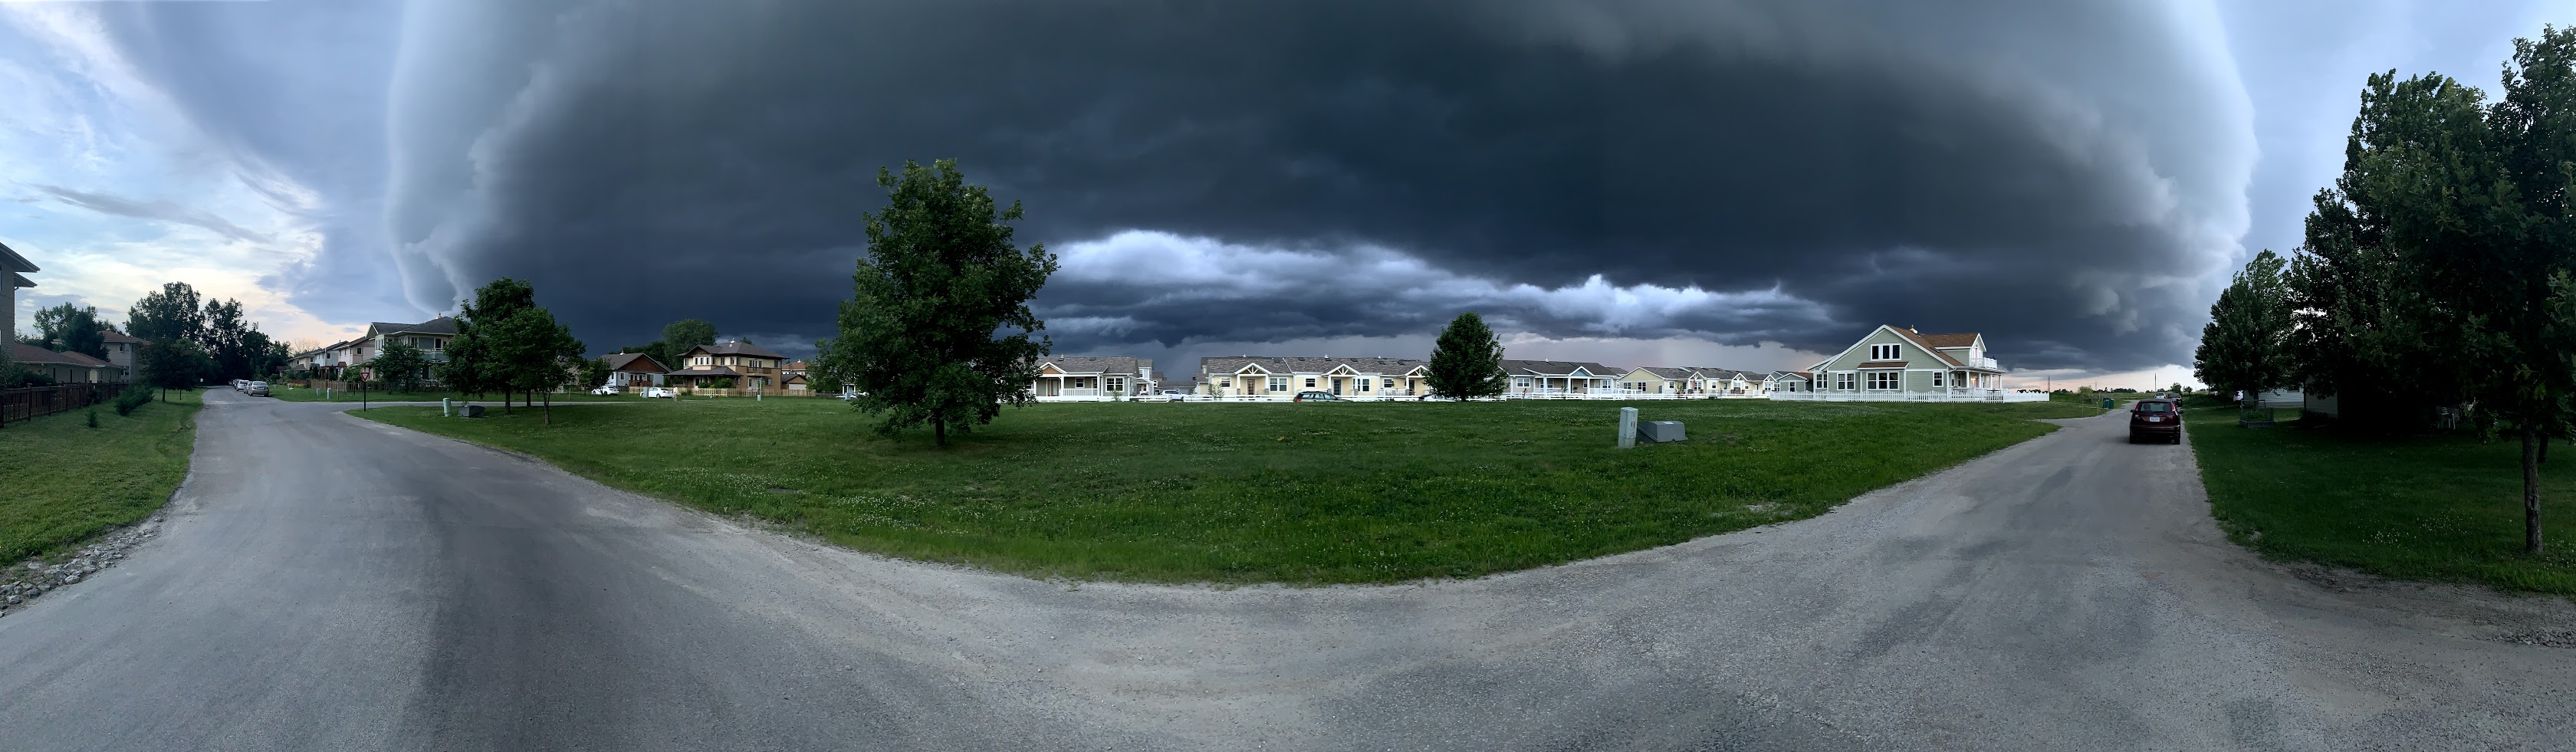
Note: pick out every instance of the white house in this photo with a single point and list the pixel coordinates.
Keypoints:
(1561, 378)
(634, 370)
(1092, 379)
(1248, 377)
(1899, 364)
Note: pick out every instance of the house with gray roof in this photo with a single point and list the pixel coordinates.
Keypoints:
(634, 370)
(729, 365)
(1901, 364)
(1264, 377)
(1077, 378)
(1655, 382)
(1562, 378)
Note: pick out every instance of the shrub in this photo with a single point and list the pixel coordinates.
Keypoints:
(93, 417)
(134, 396)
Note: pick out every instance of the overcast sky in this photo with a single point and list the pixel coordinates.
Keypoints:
(1684, 182)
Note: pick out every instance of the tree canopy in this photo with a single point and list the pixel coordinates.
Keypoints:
(2245, 346)
(1467, 360)
(939, 331)
(68, 329)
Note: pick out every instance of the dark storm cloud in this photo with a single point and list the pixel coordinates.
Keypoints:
(105, 203)
(2062, 176)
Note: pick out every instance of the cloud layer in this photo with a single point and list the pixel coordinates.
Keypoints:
(2067, 177)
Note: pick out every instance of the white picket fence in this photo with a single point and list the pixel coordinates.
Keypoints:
(1951, 395)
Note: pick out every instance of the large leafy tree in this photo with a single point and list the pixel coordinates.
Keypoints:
(683, 334)
(175, 312)
(68, 329)
(2245, 346)
(1467, 360)
(532, 353)
(177, 364)
(400, 366)
(474, 362)
(2511, 318)
(939, 331)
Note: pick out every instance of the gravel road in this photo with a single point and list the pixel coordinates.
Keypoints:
(327, 583)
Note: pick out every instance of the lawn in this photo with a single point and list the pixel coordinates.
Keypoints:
(1238, 493)
(2442, 508)
(282, 391)
(61, 481)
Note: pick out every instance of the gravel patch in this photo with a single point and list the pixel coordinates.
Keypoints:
(28, 580)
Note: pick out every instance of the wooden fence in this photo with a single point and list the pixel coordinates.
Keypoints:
(21, 405)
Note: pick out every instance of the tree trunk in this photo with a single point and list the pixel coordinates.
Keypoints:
(505, 402)
(550, 408)
(2531, 438)
(939, 434)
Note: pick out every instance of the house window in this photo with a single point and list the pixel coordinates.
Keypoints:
(1280, 383)
(1883, 352)
(1936, 378)
(1118, 384)
(1521, 381)
(1223, 383)
(1310, 382)
(1387, 383)
(1884, 379)
(1843, 381)
(1365, 384)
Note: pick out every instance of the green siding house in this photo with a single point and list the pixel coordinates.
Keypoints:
(1899, 364)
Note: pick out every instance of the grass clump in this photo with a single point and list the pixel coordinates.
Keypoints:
(1298, 493)
(2440, 508)
(61, 481)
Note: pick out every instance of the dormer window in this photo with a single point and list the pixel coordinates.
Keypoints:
(1883, 352)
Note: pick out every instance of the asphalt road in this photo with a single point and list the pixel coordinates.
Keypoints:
(327, 583)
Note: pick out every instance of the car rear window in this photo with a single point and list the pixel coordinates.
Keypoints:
(2155, 407)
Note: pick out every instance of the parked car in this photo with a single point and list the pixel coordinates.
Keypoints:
(255, 388)
(658, 392)
(605, 390)
(1174, 395)
(2155, 418)
(238, 384)
(1317, 397)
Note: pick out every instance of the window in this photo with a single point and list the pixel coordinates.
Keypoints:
(1520, 381)
(1883, 352)
(1843, 381)
(1884, 379)
(2154, 407)
(1310, 382)
(1221, 383)
(1279, 383)
(1387, 383)
(1936, 378)
(1364, 384)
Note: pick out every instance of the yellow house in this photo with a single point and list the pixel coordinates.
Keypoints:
(1261, 377)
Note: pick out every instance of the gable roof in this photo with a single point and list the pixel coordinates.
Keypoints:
(635, 362)
(13, 263)
(441, 325)
(1309, 365)
(26, 353)
(1965, 339)
(111, 335)
(735, 348)
(1116, 364)
(1670, 372)
(1918, 341)
(1557, 368)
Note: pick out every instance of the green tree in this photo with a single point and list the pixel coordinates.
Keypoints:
(927, 336)
(534, 354)
(2509, 282)
(68, 329)
(174, 313)
(683, 334)
(2245, 345)
(474, 366)
(177, 364)
(400, 365)
(1467, 360)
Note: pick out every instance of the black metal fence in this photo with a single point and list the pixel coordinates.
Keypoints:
(19, 405)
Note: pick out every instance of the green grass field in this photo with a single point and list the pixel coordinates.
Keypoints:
(1240, 493)
(61, 481)
(2442, 508)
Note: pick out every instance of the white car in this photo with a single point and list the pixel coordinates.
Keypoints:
(1174, 395)
(655, 392)
(240, 385)
(604, 391)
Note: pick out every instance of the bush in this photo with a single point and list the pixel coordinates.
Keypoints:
(93, 417)
(134, 396)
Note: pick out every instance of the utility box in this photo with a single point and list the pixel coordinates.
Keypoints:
(470, 411)
(1660, 431)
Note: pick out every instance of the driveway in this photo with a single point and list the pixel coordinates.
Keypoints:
(328, 583)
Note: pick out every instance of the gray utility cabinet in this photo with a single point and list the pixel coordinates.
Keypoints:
(1660, 430)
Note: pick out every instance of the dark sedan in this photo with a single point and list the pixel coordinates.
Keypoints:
(2155, 418)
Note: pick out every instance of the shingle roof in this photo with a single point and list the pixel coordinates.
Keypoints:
(1310, 365)
(26, 353)
(708, 371)
(1671, 372)
(1927, 346)
(1885, 364)
(737, 348)
(1105, 364)
(111, 335)
(1949, 340)
(1557, 367)
(440, 325)
(622, 361)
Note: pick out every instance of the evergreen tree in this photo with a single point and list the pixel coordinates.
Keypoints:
(941, 279)
(1467, 361)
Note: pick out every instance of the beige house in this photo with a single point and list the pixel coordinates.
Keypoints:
(1900, 364)
(1561, 378)
(122, 349)
(62, 367)
(1092, 379)
(1250, 377)
(742, 364)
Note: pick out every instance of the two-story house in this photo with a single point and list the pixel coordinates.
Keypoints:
(634, 370)
(122, 349)
(1264, 377)
(1901, 364)
(1076, 379)
(741, 364)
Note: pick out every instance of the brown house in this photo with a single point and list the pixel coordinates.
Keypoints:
(634, 369)
(745, 365)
